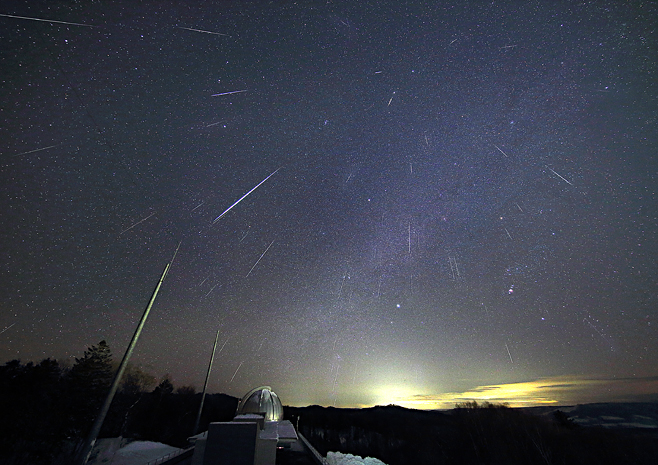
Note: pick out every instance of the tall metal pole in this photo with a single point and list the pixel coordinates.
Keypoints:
(205, 385)
(98, 423)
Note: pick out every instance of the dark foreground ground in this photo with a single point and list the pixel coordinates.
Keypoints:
(38, 433)
(487, 434)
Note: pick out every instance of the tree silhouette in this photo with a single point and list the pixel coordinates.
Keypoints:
(186, 391)
(165, 388)
(88, 383)
(49, 409)
(31, 403)
(135, 380)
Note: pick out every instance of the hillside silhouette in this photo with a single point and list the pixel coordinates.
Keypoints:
(48, 409)
(470, 434)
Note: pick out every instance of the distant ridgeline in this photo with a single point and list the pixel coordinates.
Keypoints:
(48, 409)
(475, 434)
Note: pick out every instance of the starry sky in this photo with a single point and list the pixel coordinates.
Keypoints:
(463, 200)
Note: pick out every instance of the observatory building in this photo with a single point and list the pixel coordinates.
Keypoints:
(252, 438)
(261, 401)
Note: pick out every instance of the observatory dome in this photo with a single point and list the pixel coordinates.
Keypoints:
(261, 400)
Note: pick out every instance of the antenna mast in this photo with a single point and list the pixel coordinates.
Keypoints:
(205, 385)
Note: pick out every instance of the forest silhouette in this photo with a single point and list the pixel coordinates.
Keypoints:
(49, 408)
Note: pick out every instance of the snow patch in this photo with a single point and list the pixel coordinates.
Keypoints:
(140, 452)
(337, 458)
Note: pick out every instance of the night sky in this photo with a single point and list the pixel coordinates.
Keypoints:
(465, 207)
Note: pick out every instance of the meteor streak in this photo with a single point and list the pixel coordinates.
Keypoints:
(212, 289)
(252, 268)
(236, 371)
(7, 328)
(242, 198)
(229, 93)
(409, 238)
(220, 350)
(556, 174)
(205, 32)
(36, 150)
(140, 221)
(46, 20)
(499, 149)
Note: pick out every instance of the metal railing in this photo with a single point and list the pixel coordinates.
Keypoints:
(317, 458)
(169, 456)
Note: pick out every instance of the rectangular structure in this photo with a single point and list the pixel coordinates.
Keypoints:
(231, 443)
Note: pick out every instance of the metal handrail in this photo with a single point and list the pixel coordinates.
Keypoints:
(169, 456)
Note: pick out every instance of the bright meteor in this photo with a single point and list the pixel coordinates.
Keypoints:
(46, 20)
(242, 198)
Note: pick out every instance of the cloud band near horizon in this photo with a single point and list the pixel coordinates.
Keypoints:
(559, 390)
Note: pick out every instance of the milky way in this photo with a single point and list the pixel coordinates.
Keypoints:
(460, 200)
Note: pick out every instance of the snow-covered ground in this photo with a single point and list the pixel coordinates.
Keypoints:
(336, 458)
(134, 453)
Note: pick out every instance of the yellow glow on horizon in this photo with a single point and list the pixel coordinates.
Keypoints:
(549, 391)
(558, 391)
(396, 395)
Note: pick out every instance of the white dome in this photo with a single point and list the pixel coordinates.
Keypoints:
(261, 400)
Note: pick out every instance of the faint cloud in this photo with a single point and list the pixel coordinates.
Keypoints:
(561, 390)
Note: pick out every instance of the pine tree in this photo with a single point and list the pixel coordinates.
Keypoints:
(89, 381)
(165, 388)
